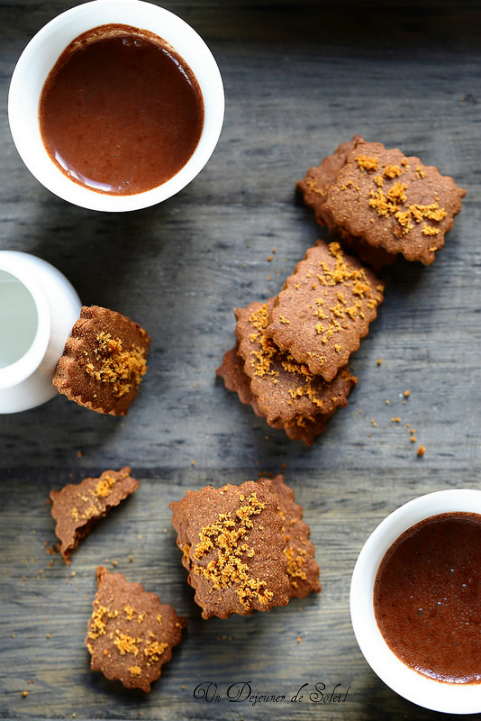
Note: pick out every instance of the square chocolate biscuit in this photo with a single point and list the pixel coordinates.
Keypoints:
(103, 362)
(302, 569)
(130, 634)
(324, 309)
(392, 202)
(284, 389)
(314, 189)
(315, 185)
(77, 507)
(233, 545)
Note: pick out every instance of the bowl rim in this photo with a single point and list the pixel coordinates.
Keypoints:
(423, 691)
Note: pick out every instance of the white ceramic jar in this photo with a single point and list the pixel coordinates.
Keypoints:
(421, 690)
(42, 53)
(38, 307)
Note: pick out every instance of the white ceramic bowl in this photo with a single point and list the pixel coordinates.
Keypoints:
(435, 695)
(42, 53)
(38, 307)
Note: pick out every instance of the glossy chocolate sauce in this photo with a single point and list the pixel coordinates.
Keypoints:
(427, 597)
(120, 112)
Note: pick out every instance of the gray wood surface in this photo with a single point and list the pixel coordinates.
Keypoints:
(300, 78)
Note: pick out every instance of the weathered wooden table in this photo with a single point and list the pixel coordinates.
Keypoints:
(300, 78)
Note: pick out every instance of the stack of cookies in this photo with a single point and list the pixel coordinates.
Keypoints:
(290, 360)
(245, 547)
(381, 203)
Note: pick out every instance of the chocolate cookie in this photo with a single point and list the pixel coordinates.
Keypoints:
(77, 507)
(392, 201)
(324, 309)
(236, 543)
(233, 546)
(314, 189)
(317, 181)
(302, 569)
(235, 378)
(298, 428)
(103, 361)
(284, 389)
(131, 633)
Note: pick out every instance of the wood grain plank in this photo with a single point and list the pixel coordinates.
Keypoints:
(299, 80)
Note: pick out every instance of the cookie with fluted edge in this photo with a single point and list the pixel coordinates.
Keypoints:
(284, 389)
(324, 309)
(232, 372)
(248, 534)
(77, 507)
(314, 188)
(317, 181)
(303, 570)
(298, 427)
(392, 201)
(103, 361)
(130, 634)
(233, 546)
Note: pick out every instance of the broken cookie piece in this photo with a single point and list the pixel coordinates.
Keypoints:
(103, 362)
(77, 507)
(324, 309)
(131, 633)
(240, 551)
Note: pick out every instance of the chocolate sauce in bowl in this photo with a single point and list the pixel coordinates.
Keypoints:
(121, 112)
(427, 597)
